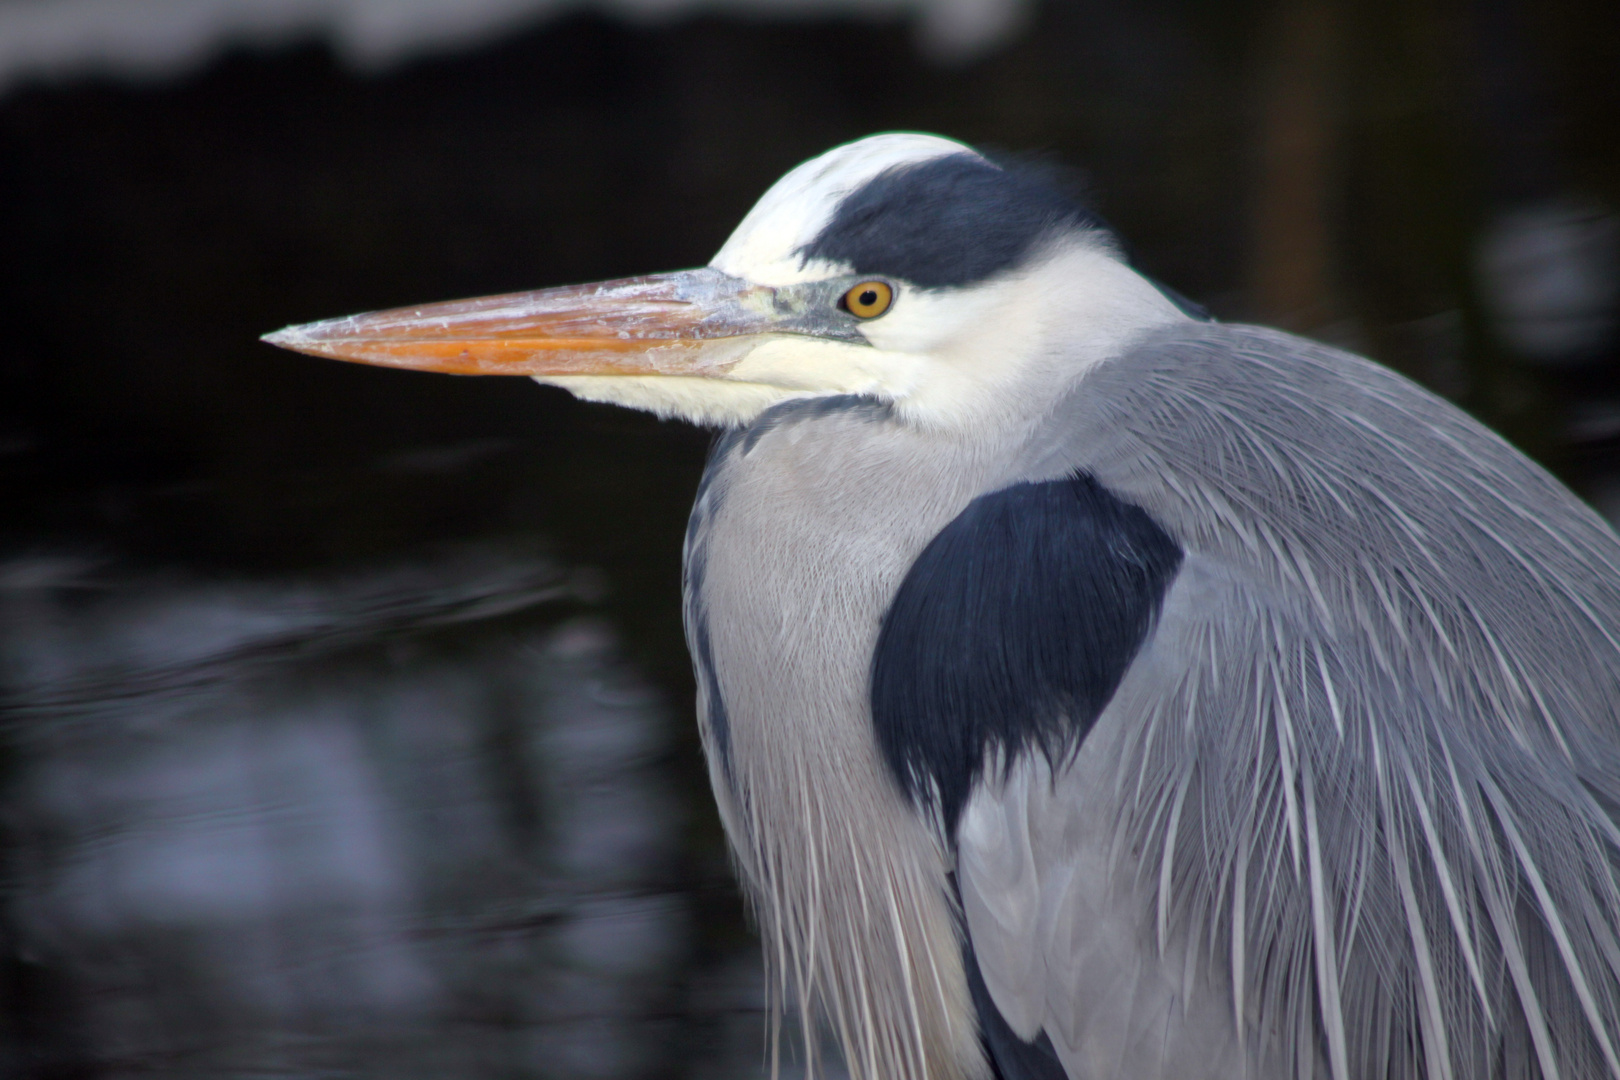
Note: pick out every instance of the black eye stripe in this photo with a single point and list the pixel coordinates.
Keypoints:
(948, 221)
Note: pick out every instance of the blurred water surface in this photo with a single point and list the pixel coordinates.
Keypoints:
(419, 821)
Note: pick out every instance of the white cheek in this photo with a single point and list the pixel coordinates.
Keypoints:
(708, 401)
(923, 321)
(820, 366)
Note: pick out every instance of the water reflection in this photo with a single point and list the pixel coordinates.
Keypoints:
(416, 822)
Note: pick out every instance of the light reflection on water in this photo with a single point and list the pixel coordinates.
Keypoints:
(418, 822)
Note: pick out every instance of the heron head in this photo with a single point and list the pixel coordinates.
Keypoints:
(903, 267)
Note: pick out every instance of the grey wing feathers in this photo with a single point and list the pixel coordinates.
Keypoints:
(1367, 772)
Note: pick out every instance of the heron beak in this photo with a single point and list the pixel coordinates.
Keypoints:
(688, 323)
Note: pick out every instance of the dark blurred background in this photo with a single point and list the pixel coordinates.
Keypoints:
(347, 719)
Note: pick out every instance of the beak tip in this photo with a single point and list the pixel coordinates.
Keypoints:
(293, 338)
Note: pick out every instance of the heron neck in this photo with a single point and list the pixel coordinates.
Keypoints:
(801, 535)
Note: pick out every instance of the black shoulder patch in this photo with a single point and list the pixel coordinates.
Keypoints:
(1011, 1058)
(1012, 631)
(950, 220)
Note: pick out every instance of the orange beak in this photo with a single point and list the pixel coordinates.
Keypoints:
(683, 323)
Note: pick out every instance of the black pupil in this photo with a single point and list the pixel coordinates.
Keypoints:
(868, 297)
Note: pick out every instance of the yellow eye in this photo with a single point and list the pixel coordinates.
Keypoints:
(869, 299)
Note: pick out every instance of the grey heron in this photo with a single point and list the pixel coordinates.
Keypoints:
(1091, 689)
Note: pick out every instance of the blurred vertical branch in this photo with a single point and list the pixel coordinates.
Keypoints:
(1291, 273)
